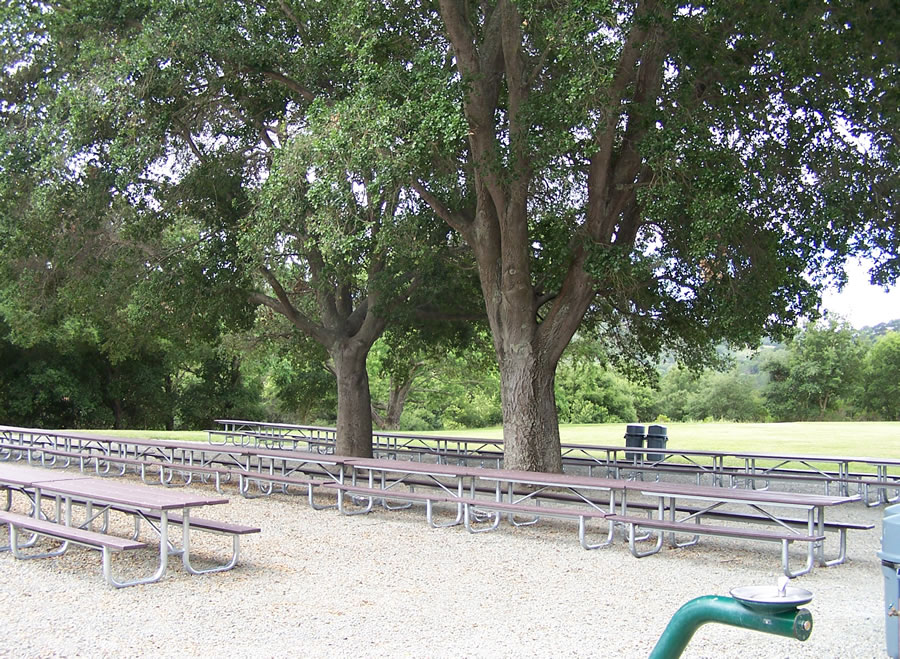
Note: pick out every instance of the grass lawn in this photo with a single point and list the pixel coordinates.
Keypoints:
(849, 439)
(173, 436)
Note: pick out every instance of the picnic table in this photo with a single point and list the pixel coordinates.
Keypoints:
(534, 495)
(158, 508)
(761, 506)
(618, 461)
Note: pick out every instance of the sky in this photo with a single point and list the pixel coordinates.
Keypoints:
(861, 303)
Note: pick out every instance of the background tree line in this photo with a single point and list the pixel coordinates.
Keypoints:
(828, 371)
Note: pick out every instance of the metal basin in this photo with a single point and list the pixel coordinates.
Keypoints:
(771, 599)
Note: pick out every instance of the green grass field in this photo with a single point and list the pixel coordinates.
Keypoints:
(856, 439)
(851, 439)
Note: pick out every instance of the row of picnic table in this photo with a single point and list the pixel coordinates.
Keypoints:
(874, 480)
(646, 513)
(156, 508)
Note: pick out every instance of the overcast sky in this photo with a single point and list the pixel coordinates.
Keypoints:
(861, 303)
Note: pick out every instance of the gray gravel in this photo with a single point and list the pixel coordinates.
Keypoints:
(319, 584)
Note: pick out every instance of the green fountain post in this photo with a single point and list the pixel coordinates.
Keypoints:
(793, 623)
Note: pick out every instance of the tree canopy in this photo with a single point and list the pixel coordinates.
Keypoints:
(673, 174)
(662, 176)
(204, 138)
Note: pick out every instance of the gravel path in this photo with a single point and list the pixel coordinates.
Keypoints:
(318, 584)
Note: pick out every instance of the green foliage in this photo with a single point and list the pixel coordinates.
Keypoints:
(216, 389)
(588, 393)
(72, 384)
(678, 388)
(458, 388)
(154, 156)
(882, 378)
(300, 390)
(820, 376)
(727, 397)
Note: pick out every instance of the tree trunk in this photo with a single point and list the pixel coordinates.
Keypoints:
(170, 396)
(530, 422)
(397, 399)
(117, 413)
(354, 402)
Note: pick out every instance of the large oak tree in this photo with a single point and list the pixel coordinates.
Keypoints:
(665, 175)
(193, 150)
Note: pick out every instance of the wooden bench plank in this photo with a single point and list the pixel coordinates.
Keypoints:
(471, 506)
(211, 525)
(761, 519)
(695, 529)
(380, 493)
(429, 498)
(69, 533)
(530, 509)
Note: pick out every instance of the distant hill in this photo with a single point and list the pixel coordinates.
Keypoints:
(875, 331)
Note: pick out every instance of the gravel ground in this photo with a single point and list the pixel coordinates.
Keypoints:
(319, 584)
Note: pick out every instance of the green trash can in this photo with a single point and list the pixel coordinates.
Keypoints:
(890, 570)
(657, 437)
(634, 438)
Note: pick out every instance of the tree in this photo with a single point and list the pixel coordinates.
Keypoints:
(208, 141)
(588, 390)
(216, 389)
(72, 383)
(727, 396)
(418, 350)
(588, 393)
(821, 374)
(882, 377)
(674, 174)
(678, 388)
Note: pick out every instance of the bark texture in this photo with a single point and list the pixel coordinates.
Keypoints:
(354, 422)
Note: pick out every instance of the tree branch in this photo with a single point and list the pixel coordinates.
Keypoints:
(292, 17)
(626, 72)
(640, 65)
(281, 78)
(457, 221)
(283, 306)
(482, 72)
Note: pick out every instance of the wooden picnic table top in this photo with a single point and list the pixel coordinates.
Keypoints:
(759, 455)
(24, 476)
(641, 449)
(293, 454)
(774, 497)
(129, 494)
(796, 457)
(551, 479)
(414, 467)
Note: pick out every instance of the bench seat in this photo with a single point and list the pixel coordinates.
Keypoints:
(695, 529)
(210, 526)
(308, 484)
(471, 508)
(67, 534)
(371, 494)
(836, 526)
(188, 471)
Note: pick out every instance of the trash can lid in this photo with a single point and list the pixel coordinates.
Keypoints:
(888, 556)
(892, 510)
